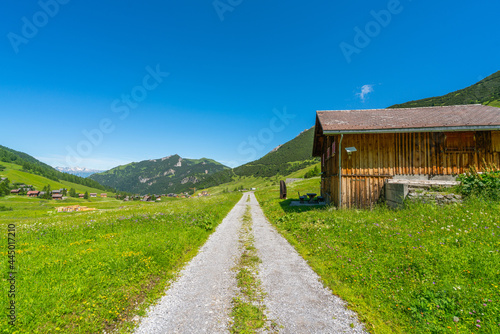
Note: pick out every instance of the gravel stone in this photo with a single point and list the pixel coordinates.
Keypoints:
(296, 299)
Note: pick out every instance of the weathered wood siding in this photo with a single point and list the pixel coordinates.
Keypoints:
(382, 156)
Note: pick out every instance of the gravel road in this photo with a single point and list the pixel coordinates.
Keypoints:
(296, 299)
(199, 301)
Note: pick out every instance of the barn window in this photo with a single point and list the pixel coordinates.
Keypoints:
(460, 142)
(495, 141)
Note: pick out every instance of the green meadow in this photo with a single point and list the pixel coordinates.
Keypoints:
(422, 269)
(94, 271)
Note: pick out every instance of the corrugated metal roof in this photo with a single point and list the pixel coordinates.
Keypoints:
(393, 120)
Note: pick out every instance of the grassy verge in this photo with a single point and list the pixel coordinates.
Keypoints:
(424, 269)
(90, 272)
(248, 311)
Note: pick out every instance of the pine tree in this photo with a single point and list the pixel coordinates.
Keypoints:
(86, 196)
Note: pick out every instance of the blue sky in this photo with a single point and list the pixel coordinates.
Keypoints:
(99, 84)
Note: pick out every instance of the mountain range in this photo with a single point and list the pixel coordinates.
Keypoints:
(172, 174)
(78, 171)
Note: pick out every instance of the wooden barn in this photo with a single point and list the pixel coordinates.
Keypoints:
(361, 149)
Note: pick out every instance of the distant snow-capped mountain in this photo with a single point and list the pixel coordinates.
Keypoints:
(78, 171)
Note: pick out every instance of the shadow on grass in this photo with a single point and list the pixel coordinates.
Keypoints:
(285, 205)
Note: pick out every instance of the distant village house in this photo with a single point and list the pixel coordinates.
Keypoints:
(33, 193)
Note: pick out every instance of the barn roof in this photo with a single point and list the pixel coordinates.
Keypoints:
(428, 119)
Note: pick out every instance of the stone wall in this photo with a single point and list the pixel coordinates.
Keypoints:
(428, 196)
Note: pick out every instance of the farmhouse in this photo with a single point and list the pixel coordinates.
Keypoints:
(104, 195)
(57, 196)
(15, 191)
(33, 193)
(93, 194)
(81, 195)
(361, 149)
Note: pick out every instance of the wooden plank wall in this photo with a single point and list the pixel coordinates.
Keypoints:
(381, 156)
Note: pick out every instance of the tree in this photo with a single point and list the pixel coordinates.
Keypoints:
(86, 196)
(4, 189)
(72, 193)
(48, 192)
(64, 191)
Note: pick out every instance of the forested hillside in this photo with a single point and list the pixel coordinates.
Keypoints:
(171, 174)
(486, 91)
(288, 158)
(34, 166)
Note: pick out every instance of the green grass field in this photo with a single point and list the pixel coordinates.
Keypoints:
(424, 269)
(89, 272)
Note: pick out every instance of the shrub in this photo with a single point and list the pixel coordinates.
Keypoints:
(312, 173)
(4, 208)
(484, 185)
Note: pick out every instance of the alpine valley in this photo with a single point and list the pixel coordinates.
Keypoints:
(171, 174)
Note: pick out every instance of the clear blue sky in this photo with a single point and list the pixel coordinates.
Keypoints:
(73, 66)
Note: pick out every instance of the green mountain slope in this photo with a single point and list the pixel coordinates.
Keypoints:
(287, 158)
(290, 157)
(31, 165)
(486, 91)
(15, 174)
(172, 174)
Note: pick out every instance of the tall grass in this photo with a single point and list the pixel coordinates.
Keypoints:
(89, 272)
